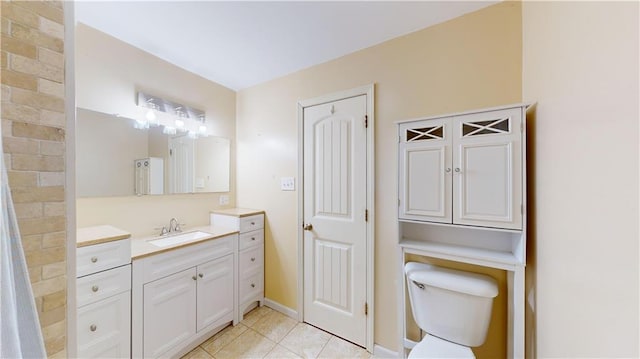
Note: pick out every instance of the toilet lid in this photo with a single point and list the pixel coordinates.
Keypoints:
(432, 347)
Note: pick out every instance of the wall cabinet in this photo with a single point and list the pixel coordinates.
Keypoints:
(182, 296)
(103, 297)
(250, 224)
(464, 169)
(462, 198)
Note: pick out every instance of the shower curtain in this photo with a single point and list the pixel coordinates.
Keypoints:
(20, 335)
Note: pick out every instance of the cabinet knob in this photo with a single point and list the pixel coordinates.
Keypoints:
(93, 327)
(253, 259)
(94, 288)
(201, 275)
(253, 238)
(194, 277)
(448, 170)
(253, 223)
(94, 259)
(457, 170)
(253, 285)
(308, 227)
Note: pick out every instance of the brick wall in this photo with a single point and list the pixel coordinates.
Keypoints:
(33, 130)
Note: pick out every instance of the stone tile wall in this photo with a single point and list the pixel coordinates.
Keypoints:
(33, 131)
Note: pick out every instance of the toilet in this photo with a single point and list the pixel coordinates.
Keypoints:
(453, 308)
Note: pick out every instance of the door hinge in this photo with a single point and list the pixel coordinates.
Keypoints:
(366, 308)
(170, 152)
(366, 215)
(521, 209)
(366, 121)
(399, 202)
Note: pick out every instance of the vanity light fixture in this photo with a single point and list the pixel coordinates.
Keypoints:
(173, 116)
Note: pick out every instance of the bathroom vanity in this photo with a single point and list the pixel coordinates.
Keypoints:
(462, 198)
(161, 296)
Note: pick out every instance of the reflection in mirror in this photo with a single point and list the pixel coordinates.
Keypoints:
(115, 159)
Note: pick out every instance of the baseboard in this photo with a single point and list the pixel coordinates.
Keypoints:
(382, 352)
(281, 308)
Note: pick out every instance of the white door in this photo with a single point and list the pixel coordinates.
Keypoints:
(487, 175)
(215, 285)
(425, 171)
(169, 312)
(335, 191)
(181, 162)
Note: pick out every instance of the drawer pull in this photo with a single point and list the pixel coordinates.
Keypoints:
(253, 223)
(253, 259)
(94, 259)
(253, 285)
(93, 327)
(194, 277)
(200, 275)
(253, 238)
(94, 288)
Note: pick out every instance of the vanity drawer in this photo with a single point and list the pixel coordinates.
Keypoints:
(252, 238)
(251, 260)
(251, 286)
(104, 328)
(99, 257)
(251, 223)
(91, 288)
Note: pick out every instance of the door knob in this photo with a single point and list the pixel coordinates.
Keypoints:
(308, 227)
(201, 275)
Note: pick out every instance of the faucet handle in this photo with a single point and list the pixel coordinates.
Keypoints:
(177, 227)
(163, 230)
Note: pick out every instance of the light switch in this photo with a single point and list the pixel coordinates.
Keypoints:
(223, 199)
(288, 183)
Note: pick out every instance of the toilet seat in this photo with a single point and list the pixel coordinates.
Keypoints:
(433, 347)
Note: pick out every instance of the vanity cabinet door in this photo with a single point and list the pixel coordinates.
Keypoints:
(487, 175)
(169, 312)
(425, 171)
(215, 291)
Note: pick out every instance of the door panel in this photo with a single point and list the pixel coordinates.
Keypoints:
(215, 282)
(335, 200)
(487, 177)
(169, 313)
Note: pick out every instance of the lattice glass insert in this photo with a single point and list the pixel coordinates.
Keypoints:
(491, 127)
(426, 133)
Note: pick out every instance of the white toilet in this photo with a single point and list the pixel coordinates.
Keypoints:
(453, 307)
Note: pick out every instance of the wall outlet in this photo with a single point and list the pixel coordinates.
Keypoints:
(223, 199)
(288, 183)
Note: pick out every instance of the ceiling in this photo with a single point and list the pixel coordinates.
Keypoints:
(239, 44)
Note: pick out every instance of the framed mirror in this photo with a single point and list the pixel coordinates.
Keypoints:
(113, 158)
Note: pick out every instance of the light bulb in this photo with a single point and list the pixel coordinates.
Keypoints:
(202, 129)
(151, 116)
(179, 123)
(169, 130)
(192, 134)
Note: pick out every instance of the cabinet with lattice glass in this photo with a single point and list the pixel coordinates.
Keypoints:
(464, 169)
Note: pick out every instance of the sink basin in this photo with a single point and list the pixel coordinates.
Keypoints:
(179, 238)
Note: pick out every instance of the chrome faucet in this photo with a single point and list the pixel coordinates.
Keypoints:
(174, 226)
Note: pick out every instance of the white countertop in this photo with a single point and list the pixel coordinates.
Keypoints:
(238, 212)
(88, 236)
(140, 247)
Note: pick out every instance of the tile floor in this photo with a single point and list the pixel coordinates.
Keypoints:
(266, 333)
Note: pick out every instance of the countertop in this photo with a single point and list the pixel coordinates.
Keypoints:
(238, 212)
(140, 247)
(88, 236)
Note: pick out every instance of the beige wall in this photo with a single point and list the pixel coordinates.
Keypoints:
(580, 64)
(470, 62)
(33, 131)
(109, 73)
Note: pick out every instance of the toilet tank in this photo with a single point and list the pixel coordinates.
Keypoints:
(451, 304)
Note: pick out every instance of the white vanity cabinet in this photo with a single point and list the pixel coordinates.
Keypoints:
(250, 224)
(183, 296)
(103, 293)
(463, 169)
(462, 198)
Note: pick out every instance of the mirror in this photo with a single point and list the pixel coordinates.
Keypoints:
(115, 159)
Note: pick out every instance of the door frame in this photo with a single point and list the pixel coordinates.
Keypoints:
(367, 90)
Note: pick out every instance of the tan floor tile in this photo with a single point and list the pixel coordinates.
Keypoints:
(197, 353)
(305, 340)
(274, 325)
(222, 338)
(248, 345)
(253, 316)
(280, 352)
(339, 348)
